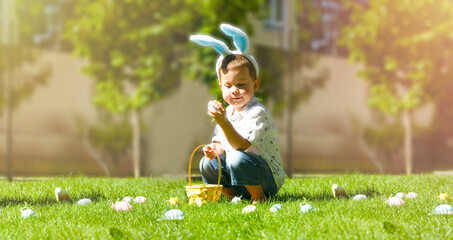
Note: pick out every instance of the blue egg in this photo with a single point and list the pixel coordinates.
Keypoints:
(443, 209)
(174, 214)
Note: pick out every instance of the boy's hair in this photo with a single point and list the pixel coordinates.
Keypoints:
(234, 62)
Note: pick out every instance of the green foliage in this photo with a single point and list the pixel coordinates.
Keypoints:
(404, 47)
(25, 18)
(333, 218)
(137, 50)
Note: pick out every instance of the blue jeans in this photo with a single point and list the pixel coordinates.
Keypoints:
(238, 169)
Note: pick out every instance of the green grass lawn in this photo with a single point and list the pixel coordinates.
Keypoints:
(333, 219)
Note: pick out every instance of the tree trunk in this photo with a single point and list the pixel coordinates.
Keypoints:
(135, 122)
(407, 124)
(289, 118)
(92, 152)
(8, 125)
(9, 74)
(369, 153)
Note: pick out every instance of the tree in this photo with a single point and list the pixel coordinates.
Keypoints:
(137, 49)
(21, 20)
(404, 49)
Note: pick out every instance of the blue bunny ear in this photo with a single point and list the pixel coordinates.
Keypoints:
(240, 38)
(205, 40)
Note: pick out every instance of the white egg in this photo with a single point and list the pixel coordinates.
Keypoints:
(139, 199)
(236, 200)
(275, 208)
(127, 199)
(411, 195)
(174, 214)
(305, 207)
(400, 195)
(359, 197)
(84, 201)
(27, 212)
(249, 209)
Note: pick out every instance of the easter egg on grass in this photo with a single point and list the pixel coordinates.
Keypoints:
(236, 200)
(443, 209)
(359, 197)
(84, 201)
(275, 208)
(127, 199)
(139, 199)
(62, 195)
(27, 212)
(400, 195)
(249, 209)
(395, 201)
(174, 214)
(121, 206)
(338, 191)
(305, 207)
(411, 195)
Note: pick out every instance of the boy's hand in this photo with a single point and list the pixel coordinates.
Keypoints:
(208, 151)
(217, 111)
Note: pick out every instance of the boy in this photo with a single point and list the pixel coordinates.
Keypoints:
(245, 137)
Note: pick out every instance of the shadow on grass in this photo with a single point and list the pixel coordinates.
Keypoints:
(323, 196)
(47, 200)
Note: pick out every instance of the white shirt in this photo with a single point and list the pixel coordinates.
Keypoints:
(255, 124)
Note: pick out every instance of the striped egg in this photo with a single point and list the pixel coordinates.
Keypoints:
(84, 201)
(305, 207)
(249, 209)
(275, 208)
(443, 209)
(359, 197)
(174, 214)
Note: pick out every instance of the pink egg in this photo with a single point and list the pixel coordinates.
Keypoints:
(395, 201)
(121, 206)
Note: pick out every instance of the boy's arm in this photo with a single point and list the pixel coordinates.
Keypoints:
(234, 138)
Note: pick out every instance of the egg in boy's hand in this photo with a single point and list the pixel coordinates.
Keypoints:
(211, 106)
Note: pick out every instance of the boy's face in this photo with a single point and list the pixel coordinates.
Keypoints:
(238, 87)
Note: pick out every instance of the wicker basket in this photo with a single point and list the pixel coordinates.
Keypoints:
(199, 194)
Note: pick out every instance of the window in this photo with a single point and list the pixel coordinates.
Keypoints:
(273, 14)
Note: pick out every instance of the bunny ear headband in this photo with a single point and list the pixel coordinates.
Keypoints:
(241, 42)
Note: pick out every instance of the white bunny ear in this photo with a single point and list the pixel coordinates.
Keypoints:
(240, 38)
(205, 40)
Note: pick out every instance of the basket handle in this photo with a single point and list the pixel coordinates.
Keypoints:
(190, 165)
